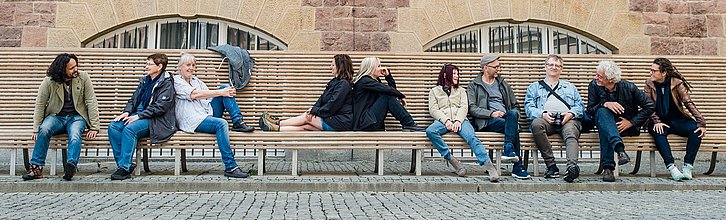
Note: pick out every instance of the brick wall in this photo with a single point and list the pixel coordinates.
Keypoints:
(25, 23)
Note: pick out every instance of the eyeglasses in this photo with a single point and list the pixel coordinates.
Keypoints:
(550, 65)
(654, 70)
(495, 67)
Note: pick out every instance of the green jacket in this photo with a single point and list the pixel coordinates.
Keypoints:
(50, 101)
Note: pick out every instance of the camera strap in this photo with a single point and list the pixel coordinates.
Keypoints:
(552, 92)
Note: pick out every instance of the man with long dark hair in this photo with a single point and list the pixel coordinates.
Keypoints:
(66, 103)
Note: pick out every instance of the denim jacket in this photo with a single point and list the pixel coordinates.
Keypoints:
(536, 97)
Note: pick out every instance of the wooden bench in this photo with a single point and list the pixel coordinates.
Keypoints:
(287, 83)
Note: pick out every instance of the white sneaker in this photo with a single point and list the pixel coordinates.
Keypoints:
(675, 173)
(687, 171)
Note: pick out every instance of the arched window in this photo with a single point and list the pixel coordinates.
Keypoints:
(181, 33)
(528, 37)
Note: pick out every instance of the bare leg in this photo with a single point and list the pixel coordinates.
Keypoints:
(299, 123)
(294, 121)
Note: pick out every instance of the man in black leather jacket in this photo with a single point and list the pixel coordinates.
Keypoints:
(618, 108)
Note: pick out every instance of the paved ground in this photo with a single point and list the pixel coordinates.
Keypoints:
(349, 205)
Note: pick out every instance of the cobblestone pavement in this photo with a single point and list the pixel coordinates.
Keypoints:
(349, 205)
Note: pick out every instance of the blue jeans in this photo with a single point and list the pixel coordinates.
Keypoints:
(683, 127)
(73, 125)
(218, 126)
(610, 140)
(509, 125)
(326, 127)
(385, 104)
(220, 104)
(436, 129)
(124, 138)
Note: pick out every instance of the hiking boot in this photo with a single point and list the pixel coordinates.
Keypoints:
(35, 172)
(122, 174)
(508, 154)
(493, 172)
(607, 175)
(235, 173)
(271, 119)
(69, 170)
(414, 128)
(240, 126)
(687, 172)
(572, 172)
(623, 158)
(458, 167)
(266, 126)
(552, 172)
(675, 173)
(519, 172)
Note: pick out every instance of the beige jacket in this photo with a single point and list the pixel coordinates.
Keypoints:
(443, 107)
(50, 101)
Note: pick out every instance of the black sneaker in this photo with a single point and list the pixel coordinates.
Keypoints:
(240, 126)
(69, 170)
(552, 172)
(572, 172)
(623, 158)
(35, 172)
(235, 173)
(120, 174)
(414, 128)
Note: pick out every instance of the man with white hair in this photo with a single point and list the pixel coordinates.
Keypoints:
(614, 105)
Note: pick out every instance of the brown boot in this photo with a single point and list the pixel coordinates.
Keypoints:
(268, 126)
(458, 167)
(35, 172)
(493, 172)
(271, 119)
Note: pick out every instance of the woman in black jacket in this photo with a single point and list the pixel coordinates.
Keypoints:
(374, 99)
(332, 112)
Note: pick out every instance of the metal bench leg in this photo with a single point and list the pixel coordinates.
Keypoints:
(652, 164)
(184, 160)
(145, 160)
(525, 161)
(414, 164)
(54, 162)
(177, 161)
(260, 162)
(294, 162)
(535, 162)
(713, 164)
(375, 164)
(419, 157)
(636, 167)
(26, 159)
(499, 161)
(64, 155)
(13, 161)
(380, 164)
(137, 171)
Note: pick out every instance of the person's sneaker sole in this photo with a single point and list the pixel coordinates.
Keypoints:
(553, 176)
(69, 170)
(507, 159)
(521, 177)
(572, 173)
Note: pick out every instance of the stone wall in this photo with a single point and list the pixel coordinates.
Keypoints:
(683, 27)
(668, 27)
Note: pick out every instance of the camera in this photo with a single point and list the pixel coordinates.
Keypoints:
(558, 117)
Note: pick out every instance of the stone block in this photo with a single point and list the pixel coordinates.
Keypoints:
(687, 26)
(720, 6)
(47, 20)
(76, 17)
(405, 42)
(376, 3)
(624, 25)
(356, 2)
(10, 43)
(656, 30)
(460, 13)
(673, 7)
(367, 24)
(314, 3)
(635, 45)
(540, 9)
(397, 3)
(710, 47)
(187, 7)
(580, 12)
(380, 42)
(305, 41)
(666, 46)
(273, 12)
(342, 24)
(285, 31)
(520, 9)
(308, 19)
(480, 10)
(692, 46)
(722, 47)
(362, 42)
(342, 11)
(125, 10)
(23, 8)
(249, 11)
(644, 5)
(501, 8)
(440, 17)
(714, 25)
(62, 37)
(11, 33)
(103, 13)
(331, 3)
(655, 18)
(44, 8)
(7, 10)
(416, 21)
(560, 10)
(336, 41)
(702, 7)
(34, 37)
(601, 17)
(323, 19)
(145, 8)
(389, 20)
(166, 7)
(27, 19)
(209, 7)
(366, 12)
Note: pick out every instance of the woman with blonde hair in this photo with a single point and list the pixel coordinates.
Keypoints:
(374, 99)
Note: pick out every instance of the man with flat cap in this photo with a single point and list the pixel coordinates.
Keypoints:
(494, 108)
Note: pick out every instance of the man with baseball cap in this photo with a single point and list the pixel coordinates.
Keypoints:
(493, 107)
